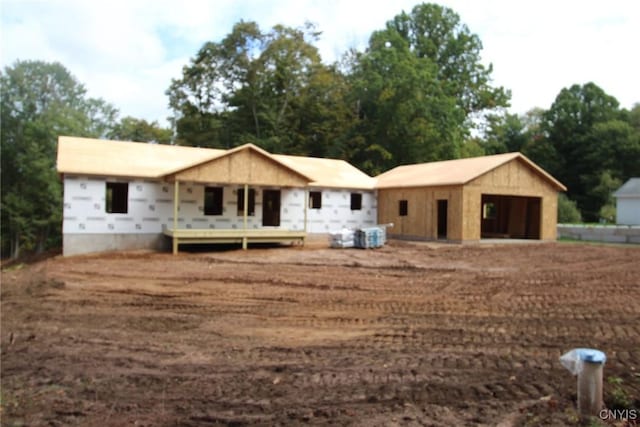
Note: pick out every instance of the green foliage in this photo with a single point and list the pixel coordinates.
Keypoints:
(417, 87)
(505, 134)
(409, 97)
(132, 129)
(603, 193)
(40, 101)
(608, 214)
(634, 117)
(269, 88)
(568, 212)
(472, 148)
(617, 398)
(585, 140)
(399, 98)
(583, 127)
(435, 33)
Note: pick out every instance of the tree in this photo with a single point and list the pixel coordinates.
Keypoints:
(132, 129)
(511, 133)
(587, 134)
(404, 115)
(603, 193)
(40, 101)
(634, 117)
(251, 87)
(472, 147)
(435, 33)
(411, 96)
(505, 133)
(324, 116)
(418, 86)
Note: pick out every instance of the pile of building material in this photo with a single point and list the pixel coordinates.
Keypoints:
(364, 238)
(344, 238)
(370, 237)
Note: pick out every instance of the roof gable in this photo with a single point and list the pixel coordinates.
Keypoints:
(454, 172)
(631, 188)
(246, 164)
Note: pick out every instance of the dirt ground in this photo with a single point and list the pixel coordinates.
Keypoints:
(409, 334)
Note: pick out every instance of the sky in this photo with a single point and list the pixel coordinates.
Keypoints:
(127, 51)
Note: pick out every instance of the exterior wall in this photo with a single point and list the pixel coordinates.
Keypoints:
(421, 221)
(150, 204)
(77, 244)
(628, 211)
(511, 179)
(336, 212)
(87, 227)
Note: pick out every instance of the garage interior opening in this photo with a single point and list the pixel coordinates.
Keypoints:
(510, 217)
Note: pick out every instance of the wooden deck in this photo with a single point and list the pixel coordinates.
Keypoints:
(186, 236)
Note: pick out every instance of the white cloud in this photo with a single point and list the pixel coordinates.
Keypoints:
(127, 51)
(538, 48)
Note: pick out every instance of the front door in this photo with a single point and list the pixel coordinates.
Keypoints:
(271, 208)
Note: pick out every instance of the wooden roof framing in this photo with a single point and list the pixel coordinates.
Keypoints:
(455, 172)
(249, 164)
(245, 164)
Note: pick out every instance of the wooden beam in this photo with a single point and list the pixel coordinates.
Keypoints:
(235, 236)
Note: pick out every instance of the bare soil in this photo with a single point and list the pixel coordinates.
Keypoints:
(409, 334)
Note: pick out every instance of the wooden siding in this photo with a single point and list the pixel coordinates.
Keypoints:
(515, 178)
(511, 179)
(421, 221)
(243, 167)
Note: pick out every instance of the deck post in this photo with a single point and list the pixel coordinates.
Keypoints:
(176, 199)
(246, 210)
(174, 240)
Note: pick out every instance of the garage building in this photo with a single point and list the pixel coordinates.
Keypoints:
(500, 196)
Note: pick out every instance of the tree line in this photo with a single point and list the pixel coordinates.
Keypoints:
(418, 92)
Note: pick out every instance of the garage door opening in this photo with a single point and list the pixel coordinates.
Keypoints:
(510, 217)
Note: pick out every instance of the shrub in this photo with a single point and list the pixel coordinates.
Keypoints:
(608, 214)
(568, 212)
